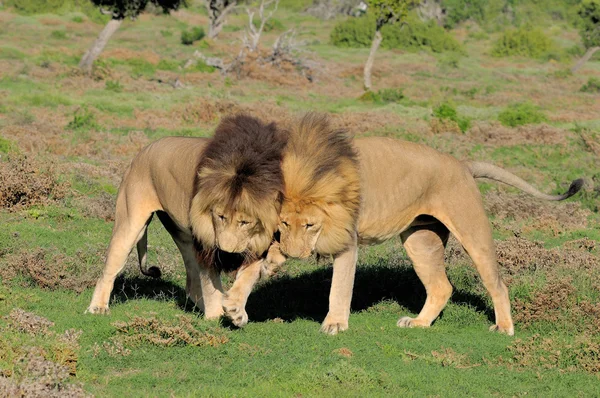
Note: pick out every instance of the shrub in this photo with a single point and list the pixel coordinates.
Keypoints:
(83, 120)
(592, 86)
(520, 114)
(200, 66)
(589, 11)
(168, 64)
(58, 34)
(114, 85)
(522, 42)
(384, 96)
(77, 19)
(446, 111)
(188, 37)
(7, 146)
(270, 25)
(414, 35)
(354, 32)
(458, 11)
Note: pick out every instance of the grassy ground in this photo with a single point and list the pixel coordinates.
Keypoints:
(65, 140)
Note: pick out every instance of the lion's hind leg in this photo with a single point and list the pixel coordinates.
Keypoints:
(142, 250)
(469, 224)
(425, 247)
(126, 233)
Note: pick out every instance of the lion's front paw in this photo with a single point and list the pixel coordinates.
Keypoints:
(408, 322)
(98, 309)
(509, 330)
(236, 312)
(332, 326)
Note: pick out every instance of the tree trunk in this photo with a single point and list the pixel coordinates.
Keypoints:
(90, 56)
(369, 65)
(589, 53)
(214, 29)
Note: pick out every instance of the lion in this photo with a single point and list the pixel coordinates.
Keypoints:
(222, 194)
(341, 192)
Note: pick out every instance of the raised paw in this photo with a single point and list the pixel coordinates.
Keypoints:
(333, 327)
(510, 330)
(236, 313)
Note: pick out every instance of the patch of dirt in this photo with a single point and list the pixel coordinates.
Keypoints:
(495, 133)
(167, 334)
(25, 182)
(543, 214)
(28, 322)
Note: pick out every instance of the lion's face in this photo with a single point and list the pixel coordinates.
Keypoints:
(234, 230)
(300, 229)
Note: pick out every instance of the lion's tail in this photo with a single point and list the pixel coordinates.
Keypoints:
(486, 170)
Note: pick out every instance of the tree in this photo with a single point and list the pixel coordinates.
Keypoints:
(217, 14)
(589, 11)
(119, 10)
(253, 33)
(386, 12)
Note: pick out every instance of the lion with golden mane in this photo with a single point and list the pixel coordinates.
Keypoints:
(341, 192)
(213, 194)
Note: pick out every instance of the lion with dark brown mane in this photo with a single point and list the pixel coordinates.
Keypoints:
(213, 194)
(341, 192)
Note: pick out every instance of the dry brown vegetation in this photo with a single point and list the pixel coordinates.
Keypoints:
(25, 182)
(165, 333)
(48, 270)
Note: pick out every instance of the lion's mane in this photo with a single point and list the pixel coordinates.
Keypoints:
(320, 168)
(240, 169)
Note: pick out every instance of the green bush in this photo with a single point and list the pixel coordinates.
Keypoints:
(7, 146)
(271, 25)
(83, 120)
(77, 19)
(114, 85)
(58, 34)
(592, 86)
(525, 42)
(188, 37)
(458, 11)
(168, 64)
(200, 66)
(60, 7)
(446, 111)
(383, 96)
(589, 11)
(520, 114)
(414, 35)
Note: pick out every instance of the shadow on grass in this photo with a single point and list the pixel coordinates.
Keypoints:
(306, 296)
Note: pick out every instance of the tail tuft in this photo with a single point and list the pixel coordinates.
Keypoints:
(574, 188)
(153, 272)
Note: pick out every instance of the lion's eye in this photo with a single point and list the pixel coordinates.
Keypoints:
(244, 222)
(309, 226)
(221, 217)
(285, 224)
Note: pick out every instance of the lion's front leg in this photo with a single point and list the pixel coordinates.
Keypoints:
(340, 296)
(234, 301)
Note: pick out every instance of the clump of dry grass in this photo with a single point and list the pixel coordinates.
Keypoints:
(27, 322)
(52, 271)
(552, 353)
(168, 334)
(25, 182)
(36, 376)
(496, 134)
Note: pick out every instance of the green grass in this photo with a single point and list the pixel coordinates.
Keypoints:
(102, 122)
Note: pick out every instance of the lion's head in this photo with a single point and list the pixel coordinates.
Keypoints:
(322, 189)
(239, 186)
